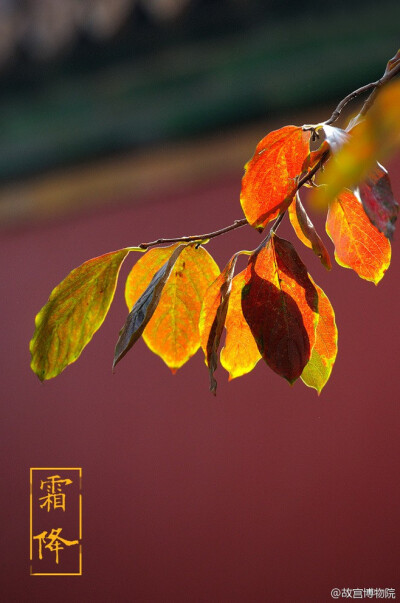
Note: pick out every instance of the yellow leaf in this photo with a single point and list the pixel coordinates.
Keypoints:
(318, 369)
(240, 354)
(173, 331)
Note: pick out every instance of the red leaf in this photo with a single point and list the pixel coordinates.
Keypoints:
(269, 182)
(280, 305)
(377, 198)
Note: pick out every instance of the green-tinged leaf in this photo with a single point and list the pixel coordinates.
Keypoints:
(76, 309)
(144, 308)
(212, 317)
(323, 355)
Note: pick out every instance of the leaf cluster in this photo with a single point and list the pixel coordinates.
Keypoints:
(179, 300)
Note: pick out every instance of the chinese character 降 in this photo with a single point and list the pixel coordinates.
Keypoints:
(55, 542)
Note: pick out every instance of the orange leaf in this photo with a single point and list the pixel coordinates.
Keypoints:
(358, 244)
(280, 305)
(306, 232)
(212, 317)
(318, 369)
(76, 309)
(173, 331)
(240, 354)
(269, 182)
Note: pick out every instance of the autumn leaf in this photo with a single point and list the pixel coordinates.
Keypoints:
(377, 198)
(280, 305)
(358, 243)
(76, 309)
(173, 331)
(314, 158)
(306, 232)
(240, 353)
(213, 315)
(335, 138)
(144, 307)
(372, 139)
(269, 182)
(318, 369)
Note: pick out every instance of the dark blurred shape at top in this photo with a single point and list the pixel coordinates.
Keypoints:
(86, 78)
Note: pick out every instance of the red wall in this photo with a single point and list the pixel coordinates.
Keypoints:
(266, 493)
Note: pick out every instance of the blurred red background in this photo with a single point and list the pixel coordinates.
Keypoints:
(266, 493)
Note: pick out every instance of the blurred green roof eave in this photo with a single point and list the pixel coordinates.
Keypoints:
(198, 87)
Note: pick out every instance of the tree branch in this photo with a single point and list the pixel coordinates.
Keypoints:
(374, 86)
(389, 74)
(209, 235)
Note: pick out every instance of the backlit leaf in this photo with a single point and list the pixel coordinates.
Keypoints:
(372, 139)
(335, 137)
(280, 305)
(269, 182)
(144, 307)
(306, 232)
(240, 353)
(212, 317)
(358, 244)
(323, 355)
(315, 157)
(173, 331)
(76, 309)
(377, 198)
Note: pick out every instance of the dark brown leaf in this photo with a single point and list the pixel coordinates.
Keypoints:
(378, 201)
(280, 305)
(144, 308)
(212, 317)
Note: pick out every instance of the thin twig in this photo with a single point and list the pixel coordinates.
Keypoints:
(374, 86)
(203, 237)
(335, 115)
